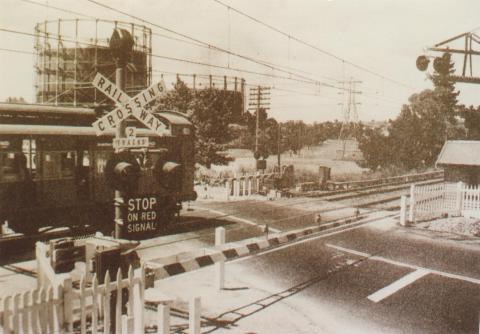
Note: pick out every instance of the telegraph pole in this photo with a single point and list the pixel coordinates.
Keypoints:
(257, 127)
(121, 44)
(279, 137)
(259, 100)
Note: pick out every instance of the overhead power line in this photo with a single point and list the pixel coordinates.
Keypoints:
(298, 40)
(211, 46)
(18, 51)
(189, 61)
(57, 8)
(191, 41)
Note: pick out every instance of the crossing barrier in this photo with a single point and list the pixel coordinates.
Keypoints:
(157, 269)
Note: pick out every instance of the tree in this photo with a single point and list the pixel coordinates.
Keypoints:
(12, 99)
(471, 116)
(444, 88)
(417, 135)
(211, 111)
(375, 148)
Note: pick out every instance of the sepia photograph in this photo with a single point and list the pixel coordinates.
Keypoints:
(240, 167)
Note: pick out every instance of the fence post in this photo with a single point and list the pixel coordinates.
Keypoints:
(38, 253)
(411, 216)
(194, 316)
(228, 187)
(163, 319)
(220, 265)
(138, 298)
(459, 198)
(403, 210)
(67, 305)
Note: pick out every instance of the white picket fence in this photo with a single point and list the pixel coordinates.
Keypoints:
(236, 188)
(435, 200)
(56, 310)
(246, 185)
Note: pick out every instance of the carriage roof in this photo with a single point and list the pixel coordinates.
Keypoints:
(29, 119)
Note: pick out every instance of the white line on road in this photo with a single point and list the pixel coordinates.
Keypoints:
(397, 285)
(406, 265)
(246, 221)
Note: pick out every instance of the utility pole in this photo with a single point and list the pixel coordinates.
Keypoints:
(259, 100)
(279, 138)
(121, 44)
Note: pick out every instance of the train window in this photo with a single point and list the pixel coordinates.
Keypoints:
(13, 166)
(49, 166)
(86, 159)
(9, 168)
(67, 163)
(29, 148)
(101, 158)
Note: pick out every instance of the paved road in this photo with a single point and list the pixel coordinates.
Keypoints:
(377, 278)
(380, 278)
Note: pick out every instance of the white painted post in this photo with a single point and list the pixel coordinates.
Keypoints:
(220, 265)
(459, 198)
(68, 305)
(163, 319)
(411, 216)
(228, 186)
(194, 316)
(403, 210)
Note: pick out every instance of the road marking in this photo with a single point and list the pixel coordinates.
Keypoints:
(397, 285)
(406, 265)
(246, 221)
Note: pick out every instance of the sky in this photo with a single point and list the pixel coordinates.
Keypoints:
(374, 42)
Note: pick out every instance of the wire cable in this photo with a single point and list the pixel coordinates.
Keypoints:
(298, 40)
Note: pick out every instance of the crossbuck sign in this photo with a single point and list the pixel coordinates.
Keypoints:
(129, 106)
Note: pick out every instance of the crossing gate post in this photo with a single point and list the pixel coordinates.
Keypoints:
(403, 210)
(459, 196)
(194, 316)
(411, 216)
(163, 319)
(228, 188)
(220, 265)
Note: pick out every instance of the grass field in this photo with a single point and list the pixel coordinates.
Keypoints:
(306, 162)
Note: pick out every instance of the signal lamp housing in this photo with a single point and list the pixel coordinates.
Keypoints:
(122, 172)
(422, 63)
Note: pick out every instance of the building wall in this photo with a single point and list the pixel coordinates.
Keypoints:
(466, 174)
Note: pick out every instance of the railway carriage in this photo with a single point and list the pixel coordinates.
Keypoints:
(53, 168)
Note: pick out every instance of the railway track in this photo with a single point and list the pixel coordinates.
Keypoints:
(15, 243)
(355, 192)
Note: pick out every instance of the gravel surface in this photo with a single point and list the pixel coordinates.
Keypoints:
(458, 225)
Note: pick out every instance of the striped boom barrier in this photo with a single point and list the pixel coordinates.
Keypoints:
(156, 270)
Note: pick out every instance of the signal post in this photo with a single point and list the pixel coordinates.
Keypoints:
(121, 44)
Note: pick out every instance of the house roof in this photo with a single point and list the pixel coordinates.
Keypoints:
(460, 152)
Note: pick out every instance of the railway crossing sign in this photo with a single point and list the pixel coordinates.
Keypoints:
(129, 106)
